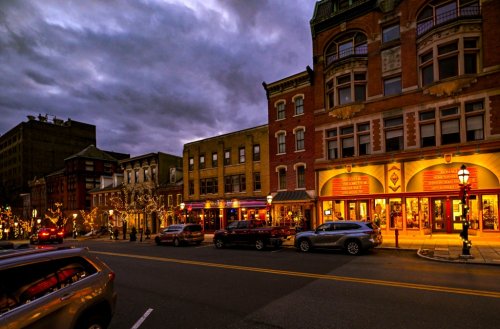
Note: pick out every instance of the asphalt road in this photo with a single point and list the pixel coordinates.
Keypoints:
(203, 287)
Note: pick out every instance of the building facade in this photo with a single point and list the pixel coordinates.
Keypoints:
(291, 150)
(69, 188)
(152, 190)
(36, 148)
(405, 93)
(226, 178)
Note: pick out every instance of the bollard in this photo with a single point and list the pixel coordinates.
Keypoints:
(396, 233)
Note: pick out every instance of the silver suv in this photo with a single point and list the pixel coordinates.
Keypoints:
(351, 236)
(55, 288)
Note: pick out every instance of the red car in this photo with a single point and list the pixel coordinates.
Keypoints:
(46, 235)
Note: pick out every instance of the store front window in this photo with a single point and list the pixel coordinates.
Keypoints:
(379, 216)
(490, 212)
(424, 212)
(412, 213)
(396, 214)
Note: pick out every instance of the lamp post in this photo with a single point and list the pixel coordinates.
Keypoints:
(33, 217)
(183, 208)
(74, 225)
(463, 178)
(269, 199)
(110, 223)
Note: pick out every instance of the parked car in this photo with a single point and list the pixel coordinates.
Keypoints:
(46, 235)
(49, 287)
(178, 234)
(251, 232)
(352, 236)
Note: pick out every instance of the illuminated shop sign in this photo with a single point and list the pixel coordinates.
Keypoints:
(351, 185)
(445, 179)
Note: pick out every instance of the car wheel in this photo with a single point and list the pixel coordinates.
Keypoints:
(219, 243)
(177, 242)
(260, 244)
(305, 245)
(353, 247)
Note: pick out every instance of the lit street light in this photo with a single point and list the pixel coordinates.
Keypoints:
(183, 208)
(463, 178)
(269, 199)
(74, 225)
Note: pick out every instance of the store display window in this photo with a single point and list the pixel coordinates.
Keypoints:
(412, 213)
(490, 212)
(396, 213)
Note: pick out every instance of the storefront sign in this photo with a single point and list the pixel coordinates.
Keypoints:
(351, 185)
(445, 179)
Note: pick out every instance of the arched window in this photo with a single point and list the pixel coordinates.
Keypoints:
(441, 11)
(348, 44)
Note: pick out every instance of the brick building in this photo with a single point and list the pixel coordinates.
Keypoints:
(291, 149)
(70, 186)
(36, 148)
(405, 92)
(227, 178)
(153, 184)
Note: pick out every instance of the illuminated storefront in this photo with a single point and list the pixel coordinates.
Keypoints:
(217, 214)
(415, 197)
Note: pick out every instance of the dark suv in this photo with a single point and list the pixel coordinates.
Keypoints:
(55, 288)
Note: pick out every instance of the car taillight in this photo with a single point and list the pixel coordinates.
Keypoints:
(61, 233)
(44, 234)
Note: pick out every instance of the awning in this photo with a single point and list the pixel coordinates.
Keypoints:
(291, 196)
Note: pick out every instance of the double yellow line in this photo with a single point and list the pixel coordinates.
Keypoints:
(461, 291)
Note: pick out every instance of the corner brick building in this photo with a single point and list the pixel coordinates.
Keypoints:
(402, 94)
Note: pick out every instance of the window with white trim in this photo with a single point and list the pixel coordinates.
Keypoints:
(299, 105)
(301, 176)
(281, 142)
(282, 178)
(449, 59)
(299, 139)
(280, 110)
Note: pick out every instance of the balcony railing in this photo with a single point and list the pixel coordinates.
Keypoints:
(361, 50)
(427, 24)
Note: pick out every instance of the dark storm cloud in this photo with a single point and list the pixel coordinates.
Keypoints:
(151, 74)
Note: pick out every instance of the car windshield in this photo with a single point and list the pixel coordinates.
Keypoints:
(173, 228)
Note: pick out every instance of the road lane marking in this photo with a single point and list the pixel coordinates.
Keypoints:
(407, 285)
(142, 319)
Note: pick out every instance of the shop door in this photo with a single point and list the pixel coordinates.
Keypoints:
(446, 215)
(357, 210)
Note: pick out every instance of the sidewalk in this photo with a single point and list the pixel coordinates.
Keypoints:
(448, 247)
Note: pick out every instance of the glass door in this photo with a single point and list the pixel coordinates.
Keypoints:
(357, 210)
(438, 215)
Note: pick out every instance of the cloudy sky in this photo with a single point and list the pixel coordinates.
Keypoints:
(151, 75)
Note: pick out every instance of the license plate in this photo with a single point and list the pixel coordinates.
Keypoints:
(52, 236)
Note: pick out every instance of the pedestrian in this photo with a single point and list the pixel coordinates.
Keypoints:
(133, 234)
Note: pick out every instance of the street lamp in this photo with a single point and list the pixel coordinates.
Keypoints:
(110, 223)
(463, 178)
(183, 208)
(74, 225)
(269, 199)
